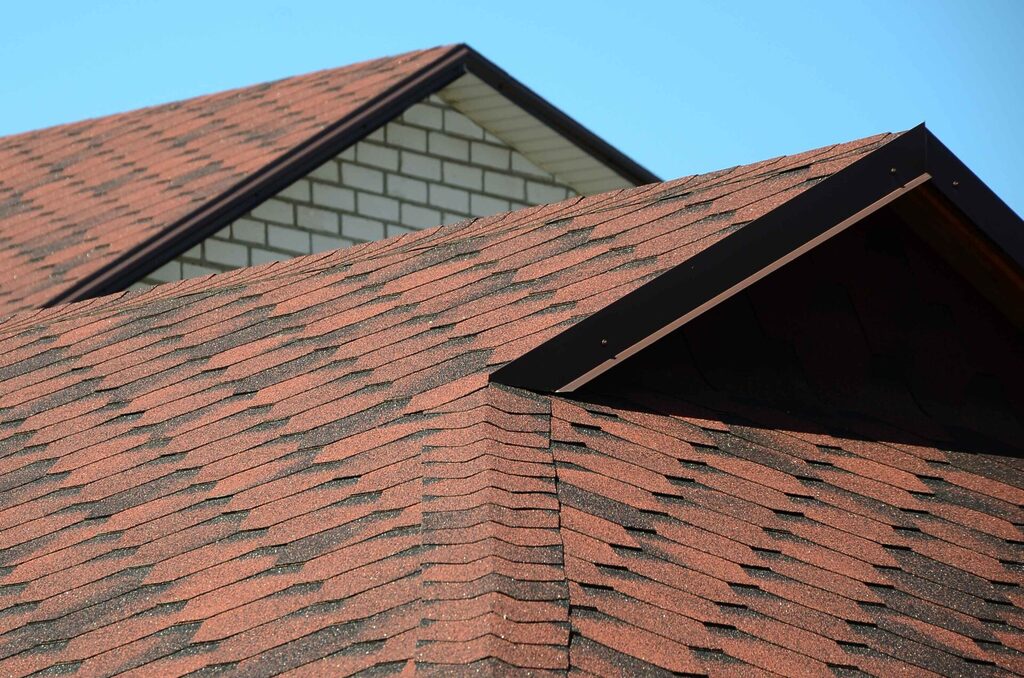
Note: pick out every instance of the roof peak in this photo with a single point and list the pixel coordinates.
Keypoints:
(900, 165)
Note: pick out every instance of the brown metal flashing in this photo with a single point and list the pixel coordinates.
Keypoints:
(210, 217)
(915, 158)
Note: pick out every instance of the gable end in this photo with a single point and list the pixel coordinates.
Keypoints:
(911, 161)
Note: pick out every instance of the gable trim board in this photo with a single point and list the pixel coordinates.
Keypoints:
(213, 215)
(912, 161)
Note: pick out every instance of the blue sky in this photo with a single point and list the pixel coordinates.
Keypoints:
(682, 87)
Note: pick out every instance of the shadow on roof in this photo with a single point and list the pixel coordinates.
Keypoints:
(873, 335)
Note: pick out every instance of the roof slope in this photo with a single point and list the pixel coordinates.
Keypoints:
(302, 466)
(699, 544)
(74, 197)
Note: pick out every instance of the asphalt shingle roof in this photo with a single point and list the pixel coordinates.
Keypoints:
(700, 545)
(303, 467)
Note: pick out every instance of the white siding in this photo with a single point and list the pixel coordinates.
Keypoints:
(431, 165)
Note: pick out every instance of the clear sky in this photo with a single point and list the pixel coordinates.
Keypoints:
(682, 87)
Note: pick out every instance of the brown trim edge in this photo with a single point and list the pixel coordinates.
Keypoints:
(742, 285)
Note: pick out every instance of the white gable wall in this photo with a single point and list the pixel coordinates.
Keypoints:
(432, 165)
(570, 164)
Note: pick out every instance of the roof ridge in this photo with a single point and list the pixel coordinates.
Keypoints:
(93, 208)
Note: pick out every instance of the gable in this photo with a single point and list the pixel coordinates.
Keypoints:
(93, 207)
(913, 164)
(431, 165)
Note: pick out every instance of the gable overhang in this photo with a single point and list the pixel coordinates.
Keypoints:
(213, 215)
(915, 164)
(540, 142)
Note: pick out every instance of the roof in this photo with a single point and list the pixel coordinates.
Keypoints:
(306, 467)
(90, 207)
(703, 545)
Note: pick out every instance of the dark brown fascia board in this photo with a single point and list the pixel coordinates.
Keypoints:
(607, 338)
(212, 216)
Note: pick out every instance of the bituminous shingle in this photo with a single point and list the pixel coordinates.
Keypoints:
(316, 473)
